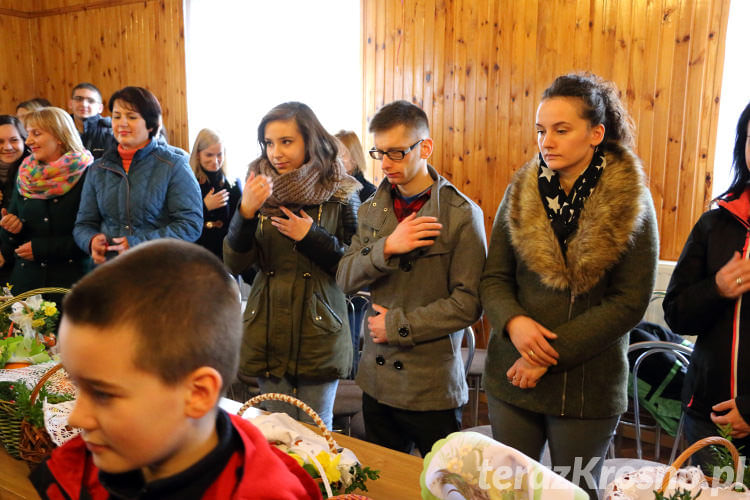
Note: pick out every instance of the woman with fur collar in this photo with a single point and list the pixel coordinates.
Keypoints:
(569, 272)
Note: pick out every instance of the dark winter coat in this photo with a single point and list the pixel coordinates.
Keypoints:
(48, 224)
(296, 317)
(718, 369)
(590, 300)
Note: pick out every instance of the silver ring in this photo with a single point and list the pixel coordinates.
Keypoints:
(739, 280)
(262, 184)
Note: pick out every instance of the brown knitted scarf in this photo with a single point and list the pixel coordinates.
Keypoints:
(302, 187)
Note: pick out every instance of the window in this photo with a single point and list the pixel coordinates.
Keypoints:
(735, 92)
(243, 58)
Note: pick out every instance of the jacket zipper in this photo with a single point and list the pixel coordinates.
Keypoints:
(565, 373)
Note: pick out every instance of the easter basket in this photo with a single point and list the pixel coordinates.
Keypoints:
(27, 333)
(22, 430)
(336, 469)
(672, 481)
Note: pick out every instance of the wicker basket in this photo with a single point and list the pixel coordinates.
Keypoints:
(34, 444)
(273, 396)
(6, 302)
(10, 428)
(702, 443)
(10, 424)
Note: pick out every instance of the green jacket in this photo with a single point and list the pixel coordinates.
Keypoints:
(590, 300)
(48, 224)
(296, 317)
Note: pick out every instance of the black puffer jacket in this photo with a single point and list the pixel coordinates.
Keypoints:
(718, 367)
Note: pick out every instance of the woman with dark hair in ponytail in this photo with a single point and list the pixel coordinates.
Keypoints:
(296, 218)
(704, 298)
(569, 272)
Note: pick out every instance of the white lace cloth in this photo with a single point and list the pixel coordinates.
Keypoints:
(29, 375)
(56, 421)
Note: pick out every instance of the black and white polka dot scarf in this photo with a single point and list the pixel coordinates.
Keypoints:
(563, 210)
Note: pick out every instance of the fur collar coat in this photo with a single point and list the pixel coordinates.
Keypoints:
(612, 215)
(590, 298)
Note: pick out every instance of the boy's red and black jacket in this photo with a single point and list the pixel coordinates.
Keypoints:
(251, 470)
(693, 306)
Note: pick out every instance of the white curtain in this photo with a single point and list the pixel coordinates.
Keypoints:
(244, 57)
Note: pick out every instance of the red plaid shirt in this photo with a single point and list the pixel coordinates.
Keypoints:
(403, 208)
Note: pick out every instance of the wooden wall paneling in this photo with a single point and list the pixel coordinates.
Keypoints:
(531, 87)
(498, 110)
(566, 19)
(427, 56)
(453, 165)
(17, 81)
(407, 32)
(675, 141)
(479, 165)
(416, 90)
(646, 75)
(472, 100)
(444, 148)
(584, 26)
(661, 97)
(623, 34)
(369, 12)
(716, 41)
(692, 178)
(438, 80)
(391, 42)
(516, 127)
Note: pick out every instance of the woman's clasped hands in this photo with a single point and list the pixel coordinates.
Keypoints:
(531, 339)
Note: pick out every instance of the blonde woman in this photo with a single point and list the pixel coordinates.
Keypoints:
(220, 196)
(37, 227)
(354, 161)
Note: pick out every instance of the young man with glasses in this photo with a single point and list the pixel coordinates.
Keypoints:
(420, 247)
(86, 105)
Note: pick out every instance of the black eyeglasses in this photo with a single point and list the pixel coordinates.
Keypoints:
(394, 155)
(80, 98)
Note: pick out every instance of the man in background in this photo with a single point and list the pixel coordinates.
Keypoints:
(86, 104)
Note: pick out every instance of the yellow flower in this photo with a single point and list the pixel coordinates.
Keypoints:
(298, 458)
(330, 467)
(50, 309)
(37, 323)
(8, 286)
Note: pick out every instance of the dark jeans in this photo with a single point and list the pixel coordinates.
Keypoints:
(695, 429)
(400, 430)
(577, 446)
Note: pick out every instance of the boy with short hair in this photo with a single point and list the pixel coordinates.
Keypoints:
(86, 105)
(151, 340)
(420, 247)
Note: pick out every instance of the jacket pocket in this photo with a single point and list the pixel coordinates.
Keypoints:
(254, 304)
(323, 316)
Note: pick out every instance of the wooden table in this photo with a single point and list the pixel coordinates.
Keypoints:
(14, 483)
(399, 472)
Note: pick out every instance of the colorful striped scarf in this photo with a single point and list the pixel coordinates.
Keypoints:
(49, 180)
